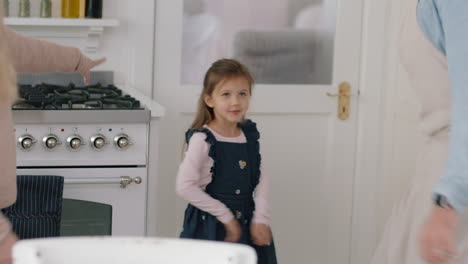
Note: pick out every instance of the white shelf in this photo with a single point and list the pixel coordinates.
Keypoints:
(61, 22)
(86, 31)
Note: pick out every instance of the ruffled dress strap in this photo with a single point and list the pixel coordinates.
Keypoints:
(250, 130)
(252, 135)
(210, 139)
(199, 224)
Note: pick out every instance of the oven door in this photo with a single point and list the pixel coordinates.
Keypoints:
(100, 201)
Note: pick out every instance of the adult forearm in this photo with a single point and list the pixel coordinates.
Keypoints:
(33, 55)
(7, 157)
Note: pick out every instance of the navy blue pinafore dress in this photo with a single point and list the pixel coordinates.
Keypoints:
(235, 174)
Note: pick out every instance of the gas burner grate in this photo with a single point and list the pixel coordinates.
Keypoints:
(56, 97)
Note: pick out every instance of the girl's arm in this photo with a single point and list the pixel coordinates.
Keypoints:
(454, 20)
(194, 172)
(262, 213)
(33, 55)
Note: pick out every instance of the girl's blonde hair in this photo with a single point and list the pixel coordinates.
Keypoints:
(8, 90)
(220, 71)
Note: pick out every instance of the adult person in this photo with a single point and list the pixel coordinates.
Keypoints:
(427, 225)
(20, 53)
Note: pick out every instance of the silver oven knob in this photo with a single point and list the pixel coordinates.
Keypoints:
(122, 141)
(26, 142)
(51, 141)
(75, 142)
(98, 141)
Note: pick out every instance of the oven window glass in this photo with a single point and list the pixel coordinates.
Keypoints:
(85, 218)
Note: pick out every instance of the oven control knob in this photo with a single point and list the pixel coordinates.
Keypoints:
(51, 141)
(75, 142)
(98, 141)
(26, 142)
(122, 141)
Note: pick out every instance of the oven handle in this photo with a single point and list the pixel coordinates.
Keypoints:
(122, 180)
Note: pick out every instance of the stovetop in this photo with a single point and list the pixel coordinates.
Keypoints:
(60, 122)
(45, 96)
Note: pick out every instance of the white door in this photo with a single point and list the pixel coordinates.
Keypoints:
(298, 50)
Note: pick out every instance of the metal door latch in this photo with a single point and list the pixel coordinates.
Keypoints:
(343, 95)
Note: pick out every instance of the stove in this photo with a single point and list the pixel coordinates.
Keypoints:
(96, 137)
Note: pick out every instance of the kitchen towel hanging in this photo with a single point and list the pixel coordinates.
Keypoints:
(38, 208)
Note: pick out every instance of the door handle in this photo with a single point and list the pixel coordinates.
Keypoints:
(344, 94)
(122, 180)
(126, 180)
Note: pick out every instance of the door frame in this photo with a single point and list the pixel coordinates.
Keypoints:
(378, 40)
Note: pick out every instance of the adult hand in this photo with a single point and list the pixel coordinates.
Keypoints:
(261, 234)
(6, 247)
(438, 236)
(85, 66)
(233, 231)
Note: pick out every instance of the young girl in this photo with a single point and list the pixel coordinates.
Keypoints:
(221, 176)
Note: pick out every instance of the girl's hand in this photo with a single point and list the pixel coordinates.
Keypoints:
(85, 66)
(233, 231)
(261, 234)
(437, 237)
(6, 248)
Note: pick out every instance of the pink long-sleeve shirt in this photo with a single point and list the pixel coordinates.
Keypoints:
(34, 55)
(194, 175)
